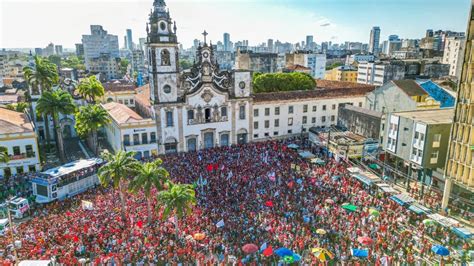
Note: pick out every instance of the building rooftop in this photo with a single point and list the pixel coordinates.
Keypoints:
(143, 95)
(119, 85)
(363, 110)
(121, 113)
(431, 116)
(298, 67)
(12, 122)
(334, 84)
(410, 87)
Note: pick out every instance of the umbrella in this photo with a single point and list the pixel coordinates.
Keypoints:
(199, 236)
(349, 207)
(288, 259)
(321, 231)
(361, 253)
(283, 252)
(440, 250)
(250, 248)
(293, 146)
(364, 240)
(428, 222)
(322, 254)
(296, 257)
(329, 201)
(374, 212)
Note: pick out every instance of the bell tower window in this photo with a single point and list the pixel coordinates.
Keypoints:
(207, 114)
(163, 26)
(167, 89)
(165, 57)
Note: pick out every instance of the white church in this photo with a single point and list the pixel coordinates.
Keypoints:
(205, 107)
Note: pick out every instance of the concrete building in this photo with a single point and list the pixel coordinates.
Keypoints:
(79, 49)
(256, 62)
(119, 91)
(138, 62)
(107, 66)
(361, 121)
(342, 73)
(130, 132)
(227, 47)
(316, 62)
(48, 50)
(420, 140)
(356, 58)
(18, 135)
(58, 50)
(129, 40)
(453, 55)
(100, 48)
(374, 40)
(378, 73)
(459, 187)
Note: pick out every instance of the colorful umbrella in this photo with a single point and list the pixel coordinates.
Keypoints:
(440, 250)
(250, 248)
(288, 259)
(322, 254)
(349, 207)
(199, 236)
(364, 240)
(429, 222)
(374, 212)
(361, 253)
(283, 252)
(321, 231)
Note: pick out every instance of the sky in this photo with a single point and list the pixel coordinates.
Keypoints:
(35, 23)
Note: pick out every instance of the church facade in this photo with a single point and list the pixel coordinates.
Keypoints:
(206, 107)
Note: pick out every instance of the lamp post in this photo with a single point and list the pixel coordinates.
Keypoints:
(12, 234)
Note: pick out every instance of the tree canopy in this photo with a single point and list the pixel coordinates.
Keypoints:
(274, 82)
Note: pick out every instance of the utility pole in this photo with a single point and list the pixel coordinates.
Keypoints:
(327, 144)
(12, 234)
(409, 177)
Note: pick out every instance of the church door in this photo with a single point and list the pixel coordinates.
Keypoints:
(224, 140)
(208, 140)
(192, 144)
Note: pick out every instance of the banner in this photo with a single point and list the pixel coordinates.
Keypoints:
(220, 223)
(87, 205)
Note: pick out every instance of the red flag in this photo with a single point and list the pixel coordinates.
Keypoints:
(140, 224)
(68, 213)
(269, 203)
(268, 251)
(75, 239)
(210, 167)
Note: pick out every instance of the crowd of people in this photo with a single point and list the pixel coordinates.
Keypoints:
(260, 193)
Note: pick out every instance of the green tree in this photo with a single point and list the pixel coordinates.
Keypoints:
(89, 119)
(115, 172)
(124, 66)
(178, 200)
(19, 107)
(42, 77)
(185, 64)
(150, 175)
(73, 62)
(334, 65)
(91, 89)
(55, 59)
(54, 103)
(275, 82)
(4, 157)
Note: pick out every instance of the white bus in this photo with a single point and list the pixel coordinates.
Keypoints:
(66, 180)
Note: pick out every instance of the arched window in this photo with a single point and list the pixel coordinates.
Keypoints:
(190, 114)
(165, 57)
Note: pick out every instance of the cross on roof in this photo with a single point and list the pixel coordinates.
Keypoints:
(205, 35)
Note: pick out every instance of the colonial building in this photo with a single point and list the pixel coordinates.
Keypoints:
(17, 134)
(206, 107)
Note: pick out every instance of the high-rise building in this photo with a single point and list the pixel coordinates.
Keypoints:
(39, 51)
(58, 49)
(101, 45)
(270, 45)
(129, 40)
(79, 49)
(49, 50)
(227, 42)
(309, 42)
(453, 54)
(141, 43)
(429, 33)
(459, 175)
(374, 40)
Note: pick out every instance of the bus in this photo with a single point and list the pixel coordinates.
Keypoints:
(66, 181)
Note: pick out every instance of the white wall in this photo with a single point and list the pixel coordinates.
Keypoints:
(24, 162)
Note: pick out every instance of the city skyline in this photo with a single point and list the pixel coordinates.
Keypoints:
(325, 22)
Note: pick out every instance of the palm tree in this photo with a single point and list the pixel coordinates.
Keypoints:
(19, 107)
(89, 120)
(54, 103)
(42, 77)
(179, 200)
(150, 175)
(4, 157)
(116, 170)
(91, 89)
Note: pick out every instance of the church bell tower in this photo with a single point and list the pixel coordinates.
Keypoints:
(162, 52)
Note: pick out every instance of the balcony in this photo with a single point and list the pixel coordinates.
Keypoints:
(137, 143)
(22, 156)
(207, 120)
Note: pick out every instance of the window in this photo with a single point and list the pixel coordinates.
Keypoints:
(333, 118)
(422, 137)
(152, 137)
(434, 155)
(277, 110)
(131, 101)
(290, 131)
(417, 135)
(144, 138)
(31, 168)
(242, 112)
(315, 108)
(277, 122)
(334, 107)
(126, 102)
(267, 111)
(224, 111)
(169, 119)
(313, 120)
(207, 115)
(290, 109)
(19, 170)
(275, 133)
(324, 107)
(167, 88)
(267, 134)
(165, 58)
(190, 114)
(29, 151)
(255, 125)
(360, 104)
(255, 112)
(16, 150)
(290, 121)
(323, 119)
(120, 101)
(126, 140)
(267, 123)
(136, 139)
(305, 108)
(305, 119)
(255, 136)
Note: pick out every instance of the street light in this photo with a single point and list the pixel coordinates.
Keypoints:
(12, 233)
